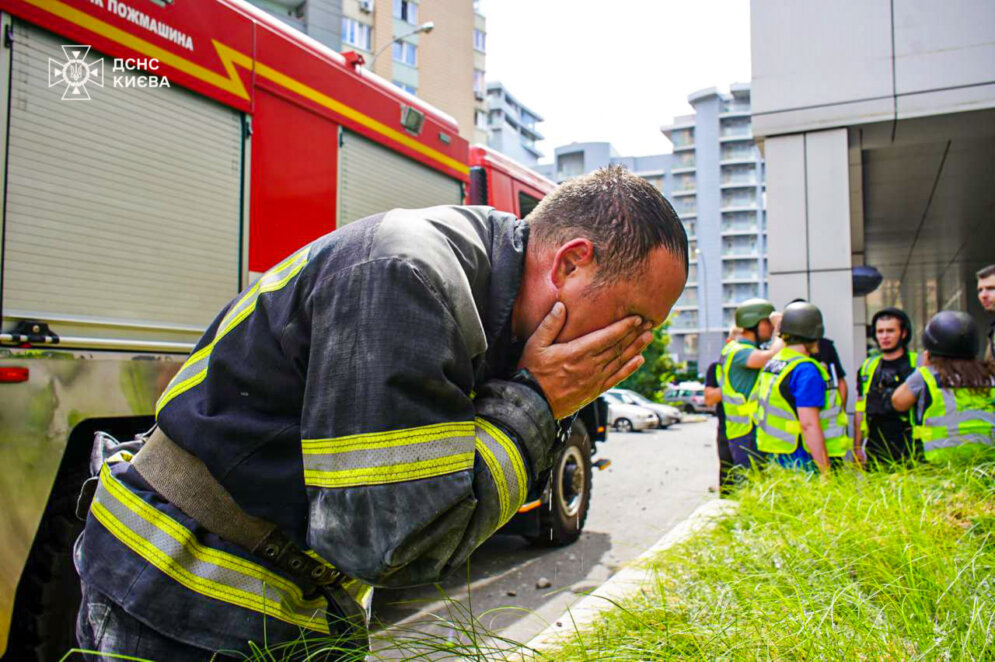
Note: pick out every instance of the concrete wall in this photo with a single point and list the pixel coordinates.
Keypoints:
(819, 65)
(446, 60)
(808, 225)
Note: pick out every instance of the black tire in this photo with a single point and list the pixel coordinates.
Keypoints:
(688, 409)
(624, 425)
(565, 505)
(43, 627)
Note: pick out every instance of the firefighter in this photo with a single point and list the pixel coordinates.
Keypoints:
(369, 412)
(740, 364)
(800, 417)
(953, 393)
(886, 432)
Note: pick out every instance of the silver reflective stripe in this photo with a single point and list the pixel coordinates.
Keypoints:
(781, 413)
(505, 464)
(950, 442)
(778, 433)
(388, 457)
(734, 418)
(177, 553)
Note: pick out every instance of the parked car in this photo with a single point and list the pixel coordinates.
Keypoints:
(666, 414)
(689, 397)
(626, 417)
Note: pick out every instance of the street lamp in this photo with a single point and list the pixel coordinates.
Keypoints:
(703, 287)
(425, 27)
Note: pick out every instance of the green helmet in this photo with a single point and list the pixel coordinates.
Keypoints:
(802, 320)
(753, 311)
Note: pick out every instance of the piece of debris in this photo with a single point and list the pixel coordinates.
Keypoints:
(559, 624)
(571, 557)
(711, 488)
(511, 594)
(542, 582)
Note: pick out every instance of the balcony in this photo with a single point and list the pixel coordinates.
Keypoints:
(738, 230)
(733, 206)
(739, 183)
(683, 192)
(733, 277)
(736, 137)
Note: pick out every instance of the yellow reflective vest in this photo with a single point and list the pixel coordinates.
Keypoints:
(778, 427)
(737, 407)
(867, 371)
(956, 421)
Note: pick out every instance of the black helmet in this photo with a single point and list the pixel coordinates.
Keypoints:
(952, 334)
(903, 320)
(802, 320)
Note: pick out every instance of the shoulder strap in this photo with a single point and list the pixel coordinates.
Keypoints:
(186, 482)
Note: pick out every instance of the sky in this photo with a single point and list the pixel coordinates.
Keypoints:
(614, 70)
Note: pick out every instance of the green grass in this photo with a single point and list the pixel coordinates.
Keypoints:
(884, 565)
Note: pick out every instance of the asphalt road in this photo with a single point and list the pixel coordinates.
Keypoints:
(656, 479)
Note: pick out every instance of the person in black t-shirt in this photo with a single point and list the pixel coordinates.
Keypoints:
(713, 397)
(883, 434)
(830, 360)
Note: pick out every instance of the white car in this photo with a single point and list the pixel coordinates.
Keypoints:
(629, 418)
(666, 414)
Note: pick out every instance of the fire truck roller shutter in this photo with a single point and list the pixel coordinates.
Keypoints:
(123, 212)
(374, 179)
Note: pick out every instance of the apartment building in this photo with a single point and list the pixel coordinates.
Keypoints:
(443, 65)
(715, 180)
(717, 188)
(511, 126)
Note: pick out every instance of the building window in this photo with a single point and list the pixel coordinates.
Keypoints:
(406, 53)
(406, 10)
(479, 84)
(355, 33)
(407, 88)
(480, 119)
(480, 40)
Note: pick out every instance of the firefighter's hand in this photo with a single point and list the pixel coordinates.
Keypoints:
(574, 373)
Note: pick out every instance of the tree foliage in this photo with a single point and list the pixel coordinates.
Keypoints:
(657, 371)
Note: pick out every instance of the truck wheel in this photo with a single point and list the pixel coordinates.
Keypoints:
(688, 409)
(564, 509)
(43, 627)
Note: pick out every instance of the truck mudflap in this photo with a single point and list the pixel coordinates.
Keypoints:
(47, 419)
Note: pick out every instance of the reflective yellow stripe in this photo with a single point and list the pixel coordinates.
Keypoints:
(194, 369)
(497, 477)
(516, 457)
(229, 578)
(389, 439)
(389, 474)
(388, 457)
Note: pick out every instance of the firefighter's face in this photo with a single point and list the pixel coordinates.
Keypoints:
(649, 293)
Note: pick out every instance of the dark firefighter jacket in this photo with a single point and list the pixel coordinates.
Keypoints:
(355, 396)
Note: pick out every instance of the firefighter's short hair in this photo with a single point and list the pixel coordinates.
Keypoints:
(623, 215)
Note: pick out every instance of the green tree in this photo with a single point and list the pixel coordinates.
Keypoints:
(657, 371)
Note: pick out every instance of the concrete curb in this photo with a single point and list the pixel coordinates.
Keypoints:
(627, 582)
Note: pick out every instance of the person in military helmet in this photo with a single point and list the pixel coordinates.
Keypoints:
(800, 417)
(883, 434)
(739, 365)
(953, 393)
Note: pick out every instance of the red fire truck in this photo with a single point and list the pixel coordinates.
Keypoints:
(155, 157)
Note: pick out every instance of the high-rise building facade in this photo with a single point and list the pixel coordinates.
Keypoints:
(511, 126)
(717, 188)
(444, 66)
(715, 180)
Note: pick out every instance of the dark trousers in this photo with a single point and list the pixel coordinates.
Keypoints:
(890, 440)
(725, 461)
(104, 628)
(744, 450)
